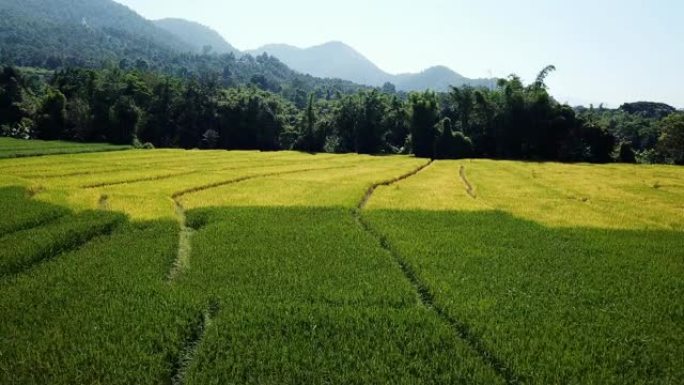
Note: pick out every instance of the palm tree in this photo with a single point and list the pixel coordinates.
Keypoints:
(539, 83)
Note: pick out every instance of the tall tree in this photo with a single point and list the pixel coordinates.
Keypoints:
(540, 82)
(124, 118)
(12, 97)
(308, 138)
(370, 130)
(462, 100)
(424, 115)
(52, 116)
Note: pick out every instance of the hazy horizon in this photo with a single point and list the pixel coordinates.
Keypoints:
(613, 52)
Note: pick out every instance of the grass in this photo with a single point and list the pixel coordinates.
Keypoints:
(213, 267)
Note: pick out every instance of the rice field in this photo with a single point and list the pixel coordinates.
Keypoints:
(215, 267)
(16, 148)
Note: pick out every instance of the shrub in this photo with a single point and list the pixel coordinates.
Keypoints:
(626, 153)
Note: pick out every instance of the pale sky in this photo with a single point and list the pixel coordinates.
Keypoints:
(610, 51)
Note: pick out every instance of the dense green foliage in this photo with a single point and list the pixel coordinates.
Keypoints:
(61, 34)
(671, 141)
(81, 32)
(202, 38)
(639, 127)
(513, 121)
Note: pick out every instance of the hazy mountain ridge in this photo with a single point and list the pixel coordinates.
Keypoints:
(329, 60)
(196, 35)
(338, 60)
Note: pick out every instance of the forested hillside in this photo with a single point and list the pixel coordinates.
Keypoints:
(80, 32)
(513, 121)
(201, 38)
(101, 33)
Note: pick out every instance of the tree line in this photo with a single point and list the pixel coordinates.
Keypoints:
(512, 121)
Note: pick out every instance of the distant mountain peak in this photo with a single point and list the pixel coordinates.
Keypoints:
(332, 59)
(336, 59)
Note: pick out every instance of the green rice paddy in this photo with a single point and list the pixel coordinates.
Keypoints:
(215, 267)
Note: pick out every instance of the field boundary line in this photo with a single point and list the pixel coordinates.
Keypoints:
(245, 178)
(369, 192)
(185, 233)
(106, 230)
(192, 342)
(33, 225)
(137, 180)
(74, 173)
(427, 299)
(425, 296)
(470, 190)
(58, 153)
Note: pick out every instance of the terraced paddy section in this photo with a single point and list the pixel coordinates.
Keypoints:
(308, 297)
(16, 148)
(551, 194)
(556, 305)
(215, 267)
(559, 269)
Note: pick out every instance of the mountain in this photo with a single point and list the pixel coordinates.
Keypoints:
(79, 32)
(329, 60)
(438, 78)
(91, 33)
(338, 60)
(57, 34)
(196, 35)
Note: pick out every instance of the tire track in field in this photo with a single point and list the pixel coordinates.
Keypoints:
(426, 297)
(469, 187)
